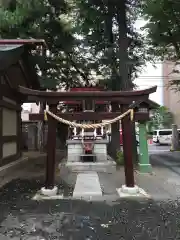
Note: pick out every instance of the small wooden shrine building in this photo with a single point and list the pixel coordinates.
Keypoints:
(16, 68)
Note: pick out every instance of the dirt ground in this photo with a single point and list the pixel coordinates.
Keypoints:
(34, 167)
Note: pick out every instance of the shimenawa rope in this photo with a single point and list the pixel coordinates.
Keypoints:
(88, 126)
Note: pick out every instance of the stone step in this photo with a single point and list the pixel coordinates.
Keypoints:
(107, 166)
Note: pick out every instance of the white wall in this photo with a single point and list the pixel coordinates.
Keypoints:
(29, 108)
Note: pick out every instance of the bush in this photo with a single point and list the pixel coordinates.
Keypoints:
(120, 158)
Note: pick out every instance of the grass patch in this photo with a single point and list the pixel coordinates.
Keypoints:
(119, 158)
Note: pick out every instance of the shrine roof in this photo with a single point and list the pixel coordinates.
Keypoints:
(9, 54)
(16, 62)
(123, 97)
(96, 94)
(7, 47)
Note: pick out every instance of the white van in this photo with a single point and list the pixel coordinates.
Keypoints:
(162, 136)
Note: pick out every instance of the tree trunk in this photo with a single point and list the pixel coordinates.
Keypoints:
(126, 83)
(125, 80)
(114, 145)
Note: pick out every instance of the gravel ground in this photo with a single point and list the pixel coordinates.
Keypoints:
(23, 218)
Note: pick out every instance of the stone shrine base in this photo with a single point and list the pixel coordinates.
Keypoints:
(75, 150)
(108, 166)
(101, 163)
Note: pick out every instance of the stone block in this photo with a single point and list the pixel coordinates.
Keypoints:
(100, 146)
(87, 184)
(74, 146)
(75, 151)
(108, 166)
(101, 157)
(73, 158)
(100, 151)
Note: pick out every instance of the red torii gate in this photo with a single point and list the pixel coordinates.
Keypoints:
(125, 98)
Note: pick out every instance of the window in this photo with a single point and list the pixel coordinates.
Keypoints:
(161, 133)
(88, 105)
(155, 133)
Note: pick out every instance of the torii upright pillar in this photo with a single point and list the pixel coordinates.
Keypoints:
(128, 149)
(129, 188)
(50, 189)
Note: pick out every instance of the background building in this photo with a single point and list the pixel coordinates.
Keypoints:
(171, 98)
(150, 76)
(28, 108)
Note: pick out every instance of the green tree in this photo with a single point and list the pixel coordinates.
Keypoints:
(101, 23)
(162, 29)
(161, 118)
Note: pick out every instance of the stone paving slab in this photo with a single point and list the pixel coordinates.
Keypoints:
(87, 184)
(107, 186)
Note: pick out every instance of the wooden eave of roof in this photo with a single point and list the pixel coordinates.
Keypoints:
(32, 92)
(18, 54)
(124, 97)
(10, 55)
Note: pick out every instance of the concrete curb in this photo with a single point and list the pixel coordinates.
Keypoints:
(21, 163)
(5, 170)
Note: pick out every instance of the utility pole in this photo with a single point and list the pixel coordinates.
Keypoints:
(175, 138)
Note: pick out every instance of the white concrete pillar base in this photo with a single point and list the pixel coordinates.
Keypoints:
(130, 190)
(49, 192)
(135, 191)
